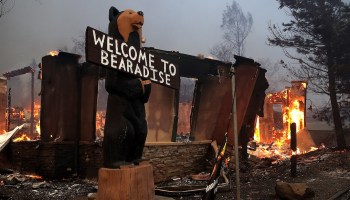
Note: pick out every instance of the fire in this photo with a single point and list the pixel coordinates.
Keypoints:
(36, 114)
(297, 115)
(36, 110)
(20, 115)
(16, 113)
(100, 123)
(23, 137)
(304, 84)
(227, 161)
(297, 152)
(53, 53)
(37, 127)
(34, 176)
(257, 130)
(280, 142)
(273, 131)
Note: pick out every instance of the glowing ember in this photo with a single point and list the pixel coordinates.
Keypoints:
(21, 138)
(34, 176)
(227, 161)
(53, 53)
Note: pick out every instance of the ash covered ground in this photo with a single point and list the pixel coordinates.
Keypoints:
(326, 172)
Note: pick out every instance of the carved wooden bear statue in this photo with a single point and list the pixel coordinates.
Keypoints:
(126, 127)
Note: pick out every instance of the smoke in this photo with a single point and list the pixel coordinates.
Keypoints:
(21, 90)
(276, 75)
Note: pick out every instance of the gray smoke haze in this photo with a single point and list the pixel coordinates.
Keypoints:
(34, 27)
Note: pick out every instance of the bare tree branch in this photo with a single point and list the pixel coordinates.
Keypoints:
(236, 27)
(6, 6)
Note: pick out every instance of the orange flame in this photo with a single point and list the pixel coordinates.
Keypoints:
(297, 115)
(23, 137)
(292, 101)
(53, 53)
(36, 110)
(100, 123)
(257, 130)
(37, 127)
(34, 176)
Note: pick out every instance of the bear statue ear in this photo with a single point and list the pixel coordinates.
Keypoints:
(113, 12)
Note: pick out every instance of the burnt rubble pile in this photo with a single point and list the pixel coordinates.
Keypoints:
(17, 186)
(325, 172)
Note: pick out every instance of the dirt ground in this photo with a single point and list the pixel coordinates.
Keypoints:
(325, 171)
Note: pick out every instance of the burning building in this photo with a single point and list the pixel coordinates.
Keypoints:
(69, 118)
(281, 109)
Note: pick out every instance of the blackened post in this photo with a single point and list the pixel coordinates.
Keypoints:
(9, 110)
(293, 136)
(245, 141)
(32, 107)
(60, 108)
(293, 146)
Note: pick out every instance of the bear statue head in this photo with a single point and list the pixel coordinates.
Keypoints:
(126, 25)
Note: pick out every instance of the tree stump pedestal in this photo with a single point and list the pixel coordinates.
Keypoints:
(133, 182)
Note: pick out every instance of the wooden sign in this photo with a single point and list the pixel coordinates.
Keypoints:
(109, 52)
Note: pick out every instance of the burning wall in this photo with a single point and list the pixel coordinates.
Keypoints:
(292, 103)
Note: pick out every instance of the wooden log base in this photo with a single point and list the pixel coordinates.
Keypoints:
(128, 183)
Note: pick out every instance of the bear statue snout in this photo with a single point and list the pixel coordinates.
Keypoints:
(140, 13)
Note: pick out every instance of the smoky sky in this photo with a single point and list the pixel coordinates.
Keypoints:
(35, 27)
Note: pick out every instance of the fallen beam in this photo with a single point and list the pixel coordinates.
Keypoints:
(6, 137)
